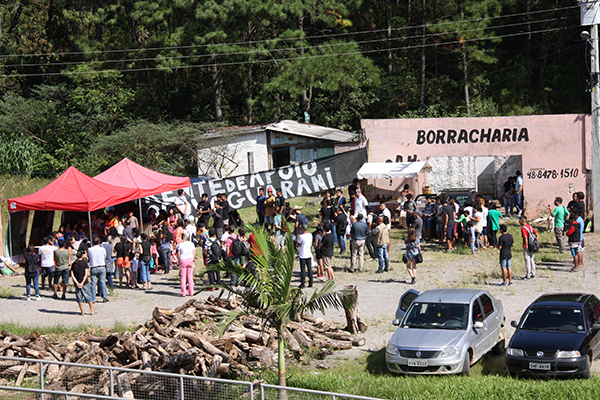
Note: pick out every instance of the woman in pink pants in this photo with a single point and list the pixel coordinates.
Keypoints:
(186, 252)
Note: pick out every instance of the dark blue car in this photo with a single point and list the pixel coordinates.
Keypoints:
(558, 335)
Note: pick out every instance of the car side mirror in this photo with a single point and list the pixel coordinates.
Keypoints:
(478, 325)
(513, 324)
(396, 322)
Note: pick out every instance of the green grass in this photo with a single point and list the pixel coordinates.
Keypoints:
(59, 330)
(7, 292)
(368, 376)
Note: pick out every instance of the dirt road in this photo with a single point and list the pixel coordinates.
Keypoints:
(378, 293)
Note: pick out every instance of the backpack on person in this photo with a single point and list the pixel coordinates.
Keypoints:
(32, 268)
(532, 243)
(216, 252)
(237, 248)
(575, 237)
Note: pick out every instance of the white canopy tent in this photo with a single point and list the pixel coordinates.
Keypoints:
(392, 170)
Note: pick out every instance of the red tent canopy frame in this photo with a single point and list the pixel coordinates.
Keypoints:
(147, 182)
(73, 191)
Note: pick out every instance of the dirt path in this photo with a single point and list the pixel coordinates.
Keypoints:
(378, 293)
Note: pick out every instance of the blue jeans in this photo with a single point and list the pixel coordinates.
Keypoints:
(306, 266)
(517, 202)
(109, 277)
(342, 241)
(164, 257)
(144, 268)
(382, 255)
(36, 284)
(98, 277)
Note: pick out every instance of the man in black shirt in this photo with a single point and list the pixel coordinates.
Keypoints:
(203, 209)
(327, 248)
(225, 206)
(505, 243)
(279, 200)
(341, 222)
(352, 188)
(448, 222)
(577, 205)
(218, 219)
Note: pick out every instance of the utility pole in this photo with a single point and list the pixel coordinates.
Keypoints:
(590, 15)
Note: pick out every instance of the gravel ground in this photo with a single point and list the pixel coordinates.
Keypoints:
(378, 294)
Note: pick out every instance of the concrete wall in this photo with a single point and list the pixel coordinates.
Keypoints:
(228, 156)
(451, 173)
(555, 149)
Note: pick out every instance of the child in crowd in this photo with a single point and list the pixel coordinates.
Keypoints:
(472, 236)
(505, 243)
(413, 247)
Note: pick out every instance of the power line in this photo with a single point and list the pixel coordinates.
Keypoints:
(290, 39)
(270, 51)
(304, 57)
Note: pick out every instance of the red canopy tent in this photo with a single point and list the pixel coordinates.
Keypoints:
(73, 191)
(146, 181)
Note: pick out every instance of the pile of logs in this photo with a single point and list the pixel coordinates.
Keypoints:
(179, 341)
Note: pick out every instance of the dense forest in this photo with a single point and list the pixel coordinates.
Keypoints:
(87, 82)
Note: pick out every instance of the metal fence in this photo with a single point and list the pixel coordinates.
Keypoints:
(29, 379)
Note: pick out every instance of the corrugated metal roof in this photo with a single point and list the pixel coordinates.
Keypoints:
(313, 131)
(289, 127)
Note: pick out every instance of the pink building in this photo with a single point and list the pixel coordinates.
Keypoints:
(552, 151)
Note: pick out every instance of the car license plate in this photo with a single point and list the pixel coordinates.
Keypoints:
(417, 363)
(542, 366)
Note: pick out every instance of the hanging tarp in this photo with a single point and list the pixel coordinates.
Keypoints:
(302, 179)
(393, 170)
(73, 191)
(147, 182)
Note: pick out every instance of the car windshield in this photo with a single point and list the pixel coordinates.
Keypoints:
(437, 316)
(553, 319)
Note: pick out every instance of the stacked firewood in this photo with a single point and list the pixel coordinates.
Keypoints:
(179, 341)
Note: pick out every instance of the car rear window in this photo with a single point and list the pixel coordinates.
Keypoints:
(554, 318)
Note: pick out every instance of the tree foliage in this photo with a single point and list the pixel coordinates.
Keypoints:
(73, 73)
(268, 292)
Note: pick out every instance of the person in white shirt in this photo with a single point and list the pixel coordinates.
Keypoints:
(46, 252)
(190, 228)
(183, 207)
(360, 204)
(97, 262)
(305, 241)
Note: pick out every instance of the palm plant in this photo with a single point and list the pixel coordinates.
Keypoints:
(268, 291)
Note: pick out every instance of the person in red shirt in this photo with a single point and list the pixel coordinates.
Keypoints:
(574, 235)
(527, 230)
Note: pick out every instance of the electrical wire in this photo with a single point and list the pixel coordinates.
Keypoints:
(293, 38)
(303, 57)
(271, 51)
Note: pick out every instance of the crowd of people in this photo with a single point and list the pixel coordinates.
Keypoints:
(113, 250)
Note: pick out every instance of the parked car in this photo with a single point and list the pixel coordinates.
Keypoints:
(444, 331)
(558, 334)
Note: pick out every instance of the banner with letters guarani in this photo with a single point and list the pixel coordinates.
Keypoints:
(302, 179)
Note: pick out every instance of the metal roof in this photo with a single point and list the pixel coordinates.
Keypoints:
(288, 127)
(313, 131)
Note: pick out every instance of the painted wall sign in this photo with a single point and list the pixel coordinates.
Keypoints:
(483, 135)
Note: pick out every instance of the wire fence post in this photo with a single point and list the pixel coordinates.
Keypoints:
(182, 397)
(262, 392)
(42, 378)
(251, 391)
(111, 390)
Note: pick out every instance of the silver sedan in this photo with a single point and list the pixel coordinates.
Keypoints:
(445, 331)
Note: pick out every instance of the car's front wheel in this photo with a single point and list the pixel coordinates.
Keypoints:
(586, 372)
(466, 370)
